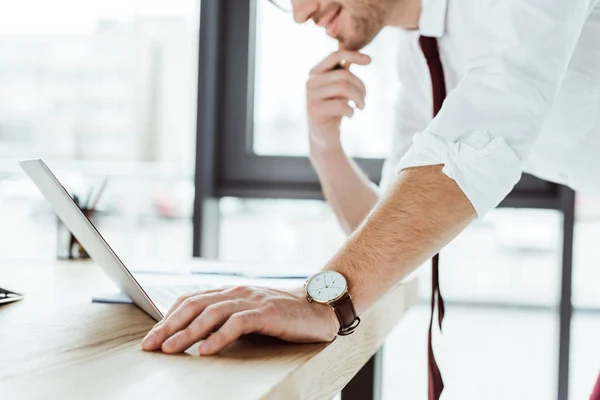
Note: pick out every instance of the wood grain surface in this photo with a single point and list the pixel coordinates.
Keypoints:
(57, 345)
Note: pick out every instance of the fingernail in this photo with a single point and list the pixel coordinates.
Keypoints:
(170, 343)
(150, 341)
(205, 348)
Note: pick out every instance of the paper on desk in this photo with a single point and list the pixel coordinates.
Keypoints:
(111, 298)
(202, 266)
(148, 279)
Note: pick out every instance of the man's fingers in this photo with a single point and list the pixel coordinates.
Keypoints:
(175, 306)
(335, 108)
(351, 57)
(209, 320)
(335, 77)
(238, 324)
(339, 90)
(179, 319)
(186, 296)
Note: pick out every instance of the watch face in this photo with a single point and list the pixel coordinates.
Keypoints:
(326, 286)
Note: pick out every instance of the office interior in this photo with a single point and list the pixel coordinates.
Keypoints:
(193, 112)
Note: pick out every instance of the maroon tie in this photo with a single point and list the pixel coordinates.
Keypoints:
(596, 392)
(430, 49)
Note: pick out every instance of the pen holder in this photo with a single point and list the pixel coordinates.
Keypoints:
(67, 245)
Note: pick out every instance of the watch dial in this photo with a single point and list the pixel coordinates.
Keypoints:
(326, 286)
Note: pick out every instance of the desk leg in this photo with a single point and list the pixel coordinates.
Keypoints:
(366, 385)
(566, 307)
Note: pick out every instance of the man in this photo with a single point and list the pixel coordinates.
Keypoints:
(523, 81)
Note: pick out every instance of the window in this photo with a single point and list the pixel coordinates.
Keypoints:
(285, 53)
(586, 273)
(107, 89)
(512, 257)
(280, 232)
(263, 124)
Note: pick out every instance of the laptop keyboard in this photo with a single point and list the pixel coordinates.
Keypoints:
(165, 296)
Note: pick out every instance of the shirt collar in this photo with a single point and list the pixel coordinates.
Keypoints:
(433, 18)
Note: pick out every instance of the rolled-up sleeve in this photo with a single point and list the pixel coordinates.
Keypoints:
(490, 121)
(409, 119)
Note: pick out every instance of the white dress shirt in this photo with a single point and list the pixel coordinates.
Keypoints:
(523, 80)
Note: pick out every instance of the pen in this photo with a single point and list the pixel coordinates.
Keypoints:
(342, 64)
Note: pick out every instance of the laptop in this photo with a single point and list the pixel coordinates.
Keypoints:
(154, 300)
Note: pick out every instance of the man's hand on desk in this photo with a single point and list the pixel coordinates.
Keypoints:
(231, 312)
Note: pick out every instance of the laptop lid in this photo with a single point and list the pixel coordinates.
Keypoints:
(87, 234)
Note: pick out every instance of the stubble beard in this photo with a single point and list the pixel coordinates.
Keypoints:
(368, 18)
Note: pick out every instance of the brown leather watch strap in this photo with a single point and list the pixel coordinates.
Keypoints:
(346, 314)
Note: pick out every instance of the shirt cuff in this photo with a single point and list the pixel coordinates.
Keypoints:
(485, 168)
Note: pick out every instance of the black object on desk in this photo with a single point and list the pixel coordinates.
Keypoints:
(6, 296)
(68, 247)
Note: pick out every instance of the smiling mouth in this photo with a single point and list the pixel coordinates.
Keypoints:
(332, 26)
(329, 21)
(333, 22)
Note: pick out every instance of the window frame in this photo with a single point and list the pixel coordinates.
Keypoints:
(241, 172)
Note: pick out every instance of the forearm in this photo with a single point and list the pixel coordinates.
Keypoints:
(422, 213)
(346, 188)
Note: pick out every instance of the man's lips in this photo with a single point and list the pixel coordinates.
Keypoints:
(328, 20)
(333, 26)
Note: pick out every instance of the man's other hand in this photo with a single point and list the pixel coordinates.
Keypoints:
(221, 316)
(328, 91)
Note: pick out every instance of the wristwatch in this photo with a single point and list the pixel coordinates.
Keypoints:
(331, 288)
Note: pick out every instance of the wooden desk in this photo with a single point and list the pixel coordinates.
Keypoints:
(56, 344)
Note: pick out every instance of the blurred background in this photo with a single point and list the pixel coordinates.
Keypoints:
(109, 89)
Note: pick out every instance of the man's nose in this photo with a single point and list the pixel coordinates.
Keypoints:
(304, 9)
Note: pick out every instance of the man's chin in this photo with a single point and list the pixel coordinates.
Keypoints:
(352, 44)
